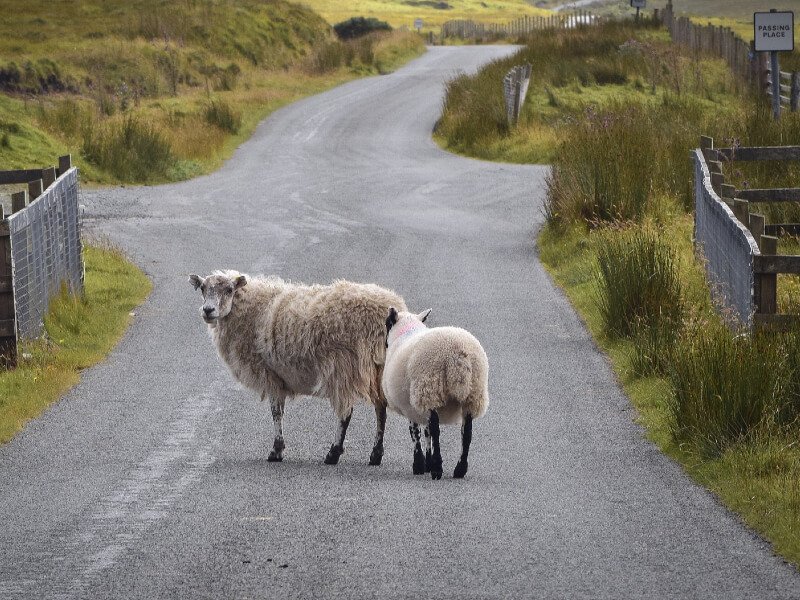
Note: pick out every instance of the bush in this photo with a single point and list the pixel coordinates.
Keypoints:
(359, 26)
(221, 115)
(129, 149)
(724, 386)
(638, 281)
(329, 56)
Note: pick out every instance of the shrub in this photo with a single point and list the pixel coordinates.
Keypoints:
(638, 281)
(329, 56)
(724, 386)
(129, 149)
(359, 26)
(220, 114)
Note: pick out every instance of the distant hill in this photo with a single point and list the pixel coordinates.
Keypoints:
(148, 46)
(403, 13)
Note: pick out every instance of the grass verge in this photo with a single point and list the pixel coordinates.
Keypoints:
(80, 333)
(759, 476)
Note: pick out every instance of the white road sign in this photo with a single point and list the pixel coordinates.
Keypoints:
(638, 3)
(774, 31)
(418, 24)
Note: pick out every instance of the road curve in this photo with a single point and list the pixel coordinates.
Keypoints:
(150, 479)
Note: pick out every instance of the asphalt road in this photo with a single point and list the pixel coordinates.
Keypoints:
(150, 479)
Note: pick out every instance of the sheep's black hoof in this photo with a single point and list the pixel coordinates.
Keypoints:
(419, 463)
(461, 469)
(436, 467)
(275, 456)
(428, 461)
(376, 457)
(333, 455)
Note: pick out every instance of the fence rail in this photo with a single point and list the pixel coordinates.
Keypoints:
(739, 247)
(40, 250)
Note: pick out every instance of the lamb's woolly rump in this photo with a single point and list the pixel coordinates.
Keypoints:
(284, 339)
(434, 375)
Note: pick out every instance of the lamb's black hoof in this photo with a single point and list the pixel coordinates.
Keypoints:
(436, 467)
(376, 457)
(461, 469)
(419, 463)
(333, 455)
(428, 461)
(274, 456)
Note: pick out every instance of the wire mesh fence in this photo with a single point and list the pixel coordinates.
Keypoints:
(45, 252)
(727, 246)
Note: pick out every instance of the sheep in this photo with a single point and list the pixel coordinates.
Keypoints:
(432, 376)
(283, 339)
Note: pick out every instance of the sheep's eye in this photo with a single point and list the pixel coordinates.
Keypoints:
(203, 288)
(229, 290)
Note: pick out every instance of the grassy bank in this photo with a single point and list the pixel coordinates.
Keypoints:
(616, 110)
(153, 91)
(80, 333)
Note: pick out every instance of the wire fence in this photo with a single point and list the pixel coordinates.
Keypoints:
(40, 250)
(727, 246)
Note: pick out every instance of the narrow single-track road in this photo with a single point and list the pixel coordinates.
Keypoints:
(150, 479)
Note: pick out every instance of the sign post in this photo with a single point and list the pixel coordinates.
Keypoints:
(638, 4)
(418, 25)
(773, 32)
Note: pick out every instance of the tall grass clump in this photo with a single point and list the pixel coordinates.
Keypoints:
(725, 387)
(220, 114)
(639, 282)
(129, 149)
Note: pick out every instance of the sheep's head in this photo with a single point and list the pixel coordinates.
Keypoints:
(399, 324)
(218, 290)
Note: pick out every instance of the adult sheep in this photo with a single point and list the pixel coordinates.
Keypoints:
(283, 339)
(434, 375)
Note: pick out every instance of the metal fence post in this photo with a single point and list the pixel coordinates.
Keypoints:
(8, 328)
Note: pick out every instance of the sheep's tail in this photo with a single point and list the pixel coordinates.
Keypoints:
(458, 376)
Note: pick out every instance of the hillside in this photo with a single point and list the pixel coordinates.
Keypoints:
(400, 13)
(157, 90)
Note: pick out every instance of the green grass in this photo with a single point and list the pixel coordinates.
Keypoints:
(154, 90)
(80, 333)
(758, 476)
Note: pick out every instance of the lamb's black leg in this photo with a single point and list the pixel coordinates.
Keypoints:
(466, 440)
(428, 459)
(436, 456)
(377, 450)
(418, 466)
(337, 449)
(276, 405)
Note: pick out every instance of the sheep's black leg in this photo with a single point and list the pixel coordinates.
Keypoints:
(277, 404)
(427, 449)
(337, 449)
(377, 450)
(466, 440)
(419, 459)
(436, 456)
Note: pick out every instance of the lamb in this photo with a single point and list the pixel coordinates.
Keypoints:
(283, 339)
(433, 376)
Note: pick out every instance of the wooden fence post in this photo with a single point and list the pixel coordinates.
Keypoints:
(48, 176)
(65, 162)
(767, 296)
(757, 222)
(794, 98)
(8, 328)
(35, 189)
(19, 201)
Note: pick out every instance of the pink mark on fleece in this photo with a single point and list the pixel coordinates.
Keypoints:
(410, 327)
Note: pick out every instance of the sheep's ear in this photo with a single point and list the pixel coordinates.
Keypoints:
(424, 314)
(196, 281)
(240, 282)
(391, 319)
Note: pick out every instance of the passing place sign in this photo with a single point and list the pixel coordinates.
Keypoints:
(774, 31)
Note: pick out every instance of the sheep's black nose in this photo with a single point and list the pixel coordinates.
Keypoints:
(208, 310)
